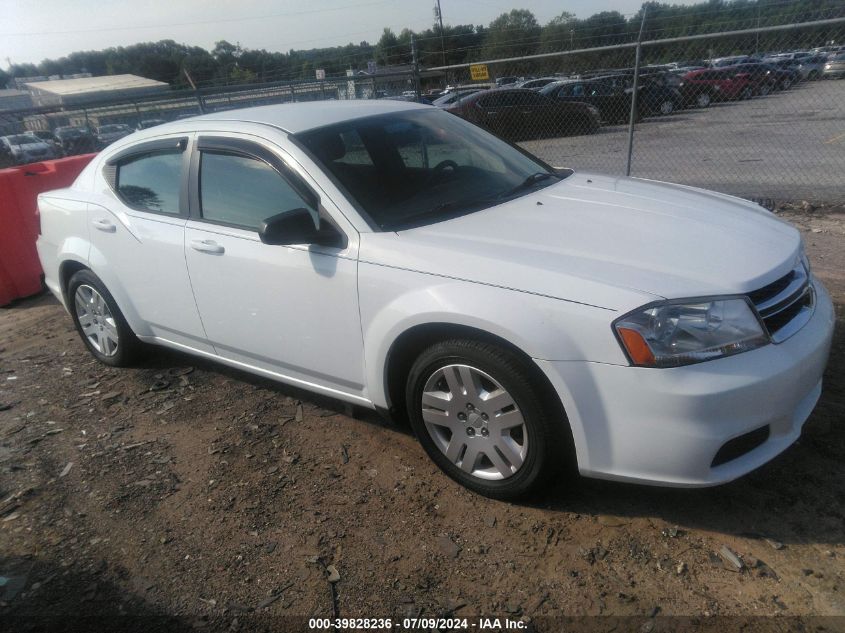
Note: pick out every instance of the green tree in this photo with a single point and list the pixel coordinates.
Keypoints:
(512, 35)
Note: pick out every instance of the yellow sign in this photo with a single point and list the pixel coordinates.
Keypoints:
(478, 72)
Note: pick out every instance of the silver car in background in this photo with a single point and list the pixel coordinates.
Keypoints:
(835, 67)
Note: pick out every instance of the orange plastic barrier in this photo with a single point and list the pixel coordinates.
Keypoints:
(20, 270)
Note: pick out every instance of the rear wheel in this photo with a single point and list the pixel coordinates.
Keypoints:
(481, 419)
(703, 100)
(100, 322)
(667, 107)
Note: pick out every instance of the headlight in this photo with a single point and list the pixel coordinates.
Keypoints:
(675, 333)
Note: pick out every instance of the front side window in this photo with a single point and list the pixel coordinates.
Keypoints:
(151, 182)
(422, 166)
(243, 191)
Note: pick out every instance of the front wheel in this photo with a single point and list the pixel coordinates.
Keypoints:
(479, 416)
(703, 100)
(100, 322)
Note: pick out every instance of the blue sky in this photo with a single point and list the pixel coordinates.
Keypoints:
(33, 31)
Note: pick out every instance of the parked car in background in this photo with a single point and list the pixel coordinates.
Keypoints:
(812, 67)
(75, 140)
(506, 81)
(717, 84)
(148, 123)
(606, 95)
(108, 134)
(611, 95)
(766, 78)
(518, 114)
(781, 75)
(721, 62)
(389, 255)
(48, 137)
(835, 67)
(22, 149)
(536, 84)
(454, 96)
(791, 56)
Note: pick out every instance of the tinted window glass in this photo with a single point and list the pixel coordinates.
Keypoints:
(151, 182)
(243, 191)
(422, 167)
(532, 99)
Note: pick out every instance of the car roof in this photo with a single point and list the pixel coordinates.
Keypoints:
(299, 117)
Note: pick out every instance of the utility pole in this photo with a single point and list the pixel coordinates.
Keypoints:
(440, 19)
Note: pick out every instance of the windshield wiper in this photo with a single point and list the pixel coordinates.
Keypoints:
(445, 209)
(530, 181)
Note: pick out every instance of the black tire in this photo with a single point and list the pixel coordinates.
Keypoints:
(703, 100)
(128, 346)
(548, 438)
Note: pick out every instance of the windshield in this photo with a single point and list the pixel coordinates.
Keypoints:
(419, 167)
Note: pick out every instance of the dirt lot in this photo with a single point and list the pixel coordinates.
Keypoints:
(225, 502)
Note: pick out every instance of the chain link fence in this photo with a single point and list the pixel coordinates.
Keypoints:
(758, 113)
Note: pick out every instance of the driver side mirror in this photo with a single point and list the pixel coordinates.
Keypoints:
(297, 227)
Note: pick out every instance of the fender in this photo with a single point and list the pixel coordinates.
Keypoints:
(542, 327)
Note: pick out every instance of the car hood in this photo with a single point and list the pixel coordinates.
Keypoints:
(603, 241)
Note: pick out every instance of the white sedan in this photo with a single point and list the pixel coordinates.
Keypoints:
(396, 257)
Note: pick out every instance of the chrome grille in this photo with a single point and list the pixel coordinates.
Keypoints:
(786, 304)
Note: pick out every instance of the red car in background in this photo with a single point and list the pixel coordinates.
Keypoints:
(719, 84)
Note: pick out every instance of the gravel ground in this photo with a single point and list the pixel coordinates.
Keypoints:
(785, 146)
(213, 500)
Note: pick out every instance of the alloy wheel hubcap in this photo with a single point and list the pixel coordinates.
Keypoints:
(96, 320)
(474, 422)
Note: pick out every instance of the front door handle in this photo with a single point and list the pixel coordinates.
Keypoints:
(104, 225)
(207, 246)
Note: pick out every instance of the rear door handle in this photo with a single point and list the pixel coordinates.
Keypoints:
(207, 246)
(104, 225)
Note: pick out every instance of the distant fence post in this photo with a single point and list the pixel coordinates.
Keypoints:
(416, 66)
(635, 85)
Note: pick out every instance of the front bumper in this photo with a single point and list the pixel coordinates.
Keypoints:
(665, 426)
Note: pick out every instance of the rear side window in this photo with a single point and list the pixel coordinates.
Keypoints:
(242, 191)
(151, 182)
